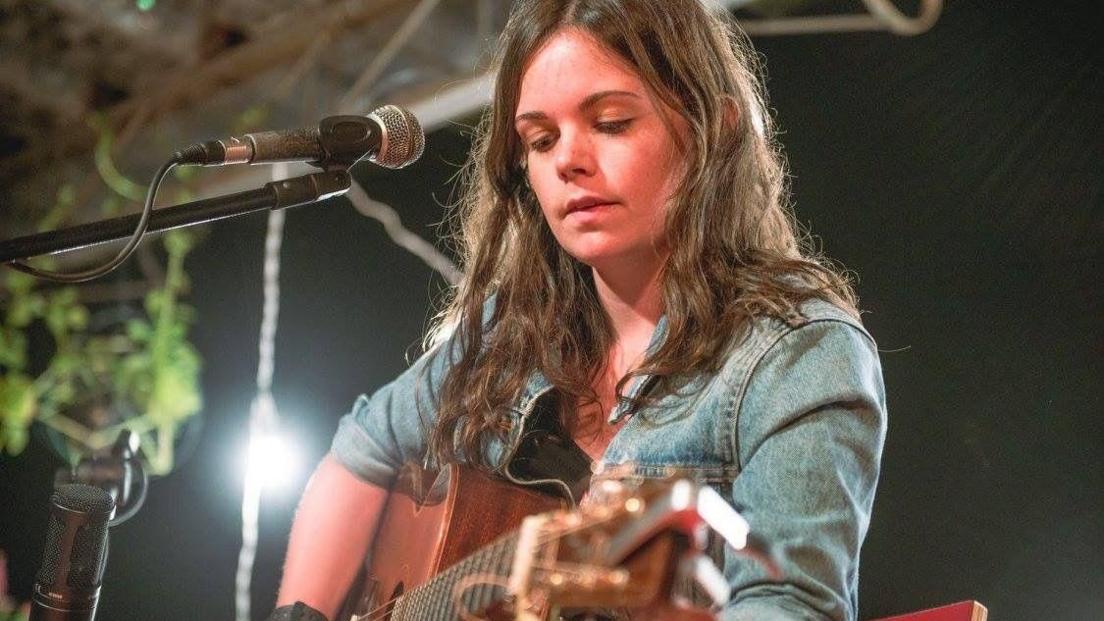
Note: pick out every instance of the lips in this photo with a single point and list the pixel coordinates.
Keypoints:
(584, 203)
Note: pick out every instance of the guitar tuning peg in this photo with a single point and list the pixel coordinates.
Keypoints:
(589, 578)
(604, 496)
(633, 504)
(699, 568)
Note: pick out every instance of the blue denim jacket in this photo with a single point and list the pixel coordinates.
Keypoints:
(790, 431)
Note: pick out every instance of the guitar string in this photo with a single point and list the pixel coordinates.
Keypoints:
(478, 580)
(382, 610)
(474, 580)
(376, 613)
(379, 612)
(482, 579)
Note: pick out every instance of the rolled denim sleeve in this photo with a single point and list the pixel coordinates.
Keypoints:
(809, 435)
(390, 428)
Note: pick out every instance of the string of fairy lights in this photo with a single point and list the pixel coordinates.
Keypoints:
(268, 458)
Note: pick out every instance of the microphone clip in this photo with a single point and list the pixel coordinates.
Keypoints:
(118, 471)
(345, 140)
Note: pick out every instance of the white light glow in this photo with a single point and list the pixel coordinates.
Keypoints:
(272, 461)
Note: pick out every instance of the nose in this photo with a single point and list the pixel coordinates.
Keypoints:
(574, 155)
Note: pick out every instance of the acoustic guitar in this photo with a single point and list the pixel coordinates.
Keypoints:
(462, 546)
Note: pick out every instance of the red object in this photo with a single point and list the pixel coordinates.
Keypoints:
(962, 611)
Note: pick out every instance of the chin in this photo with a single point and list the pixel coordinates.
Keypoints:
(599, 258)
(591, 255)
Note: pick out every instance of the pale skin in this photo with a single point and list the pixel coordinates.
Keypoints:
(598, 136)
(603, 164)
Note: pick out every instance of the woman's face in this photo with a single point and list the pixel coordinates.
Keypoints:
(601, 160)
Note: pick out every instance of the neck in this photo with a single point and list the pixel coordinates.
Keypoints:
(633, 299)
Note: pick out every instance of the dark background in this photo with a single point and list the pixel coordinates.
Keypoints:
(958, 174)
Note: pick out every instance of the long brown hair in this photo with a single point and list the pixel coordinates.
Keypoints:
(734, 250)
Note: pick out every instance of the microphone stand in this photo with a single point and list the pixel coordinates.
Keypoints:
(116, 472)
(292, 192)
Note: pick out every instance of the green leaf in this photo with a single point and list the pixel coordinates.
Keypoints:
(18, 282)
(13, 349)
(66, 363)
(58, 309)
(77, 317)
(139, 330)
(154, 301)
(174, 398)
(55, 322)
(64, 297)
(179, 241)
(24, 308)
(17, 398)
(17, 410)
(13, 439)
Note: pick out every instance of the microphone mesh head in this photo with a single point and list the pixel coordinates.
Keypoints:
(405, 139)
(51, 554)
(83, 498)
(79, 513)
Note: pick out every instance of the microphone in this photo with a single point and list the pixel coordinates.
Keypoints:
(390, 136)
(67, 586)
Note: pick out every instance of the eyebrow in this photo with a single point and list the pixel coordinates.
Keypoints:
(587, 102)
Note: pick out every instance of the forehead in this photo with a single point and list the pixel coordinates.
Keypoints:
(570, 65)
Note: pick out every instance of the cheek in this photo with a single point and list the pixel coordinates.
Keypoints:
(542, 189)
(650, 159)
(653, 177)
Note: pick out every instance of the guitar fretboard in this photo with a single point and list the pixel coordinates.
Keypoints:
(435, 600)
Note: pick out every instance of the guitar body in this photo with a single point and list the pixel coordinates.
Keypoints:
(429, 524)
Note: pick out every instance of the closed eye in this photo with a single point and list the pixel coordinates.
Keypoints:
(541, 143)
(613, 127)
(544, 142)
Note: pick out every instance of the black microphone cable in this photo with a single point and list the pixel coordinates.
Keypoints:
(124, 253)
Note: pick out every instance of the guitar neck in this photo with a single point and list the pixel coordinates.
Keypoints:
(476, 583)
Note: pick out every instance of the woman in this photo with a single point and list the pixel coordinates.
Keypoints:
(633, 282)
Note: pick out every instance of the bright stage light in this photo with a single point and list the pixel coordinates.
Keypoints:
(271, 461)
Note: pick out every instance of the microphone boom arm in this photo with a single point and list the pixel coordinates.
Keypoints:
(292, 192)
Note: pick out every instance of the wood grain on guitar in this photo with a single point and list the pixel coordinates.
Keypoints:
(467, 546)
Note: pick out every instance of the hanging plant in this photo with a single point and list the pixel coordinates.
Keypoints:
(144, 378)
(142, 375)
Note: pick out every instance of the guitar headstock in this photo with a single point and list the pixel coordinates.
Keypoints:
(625, 548)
